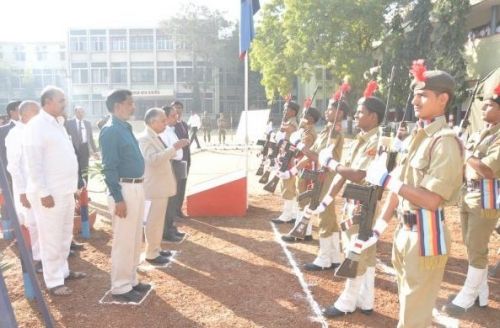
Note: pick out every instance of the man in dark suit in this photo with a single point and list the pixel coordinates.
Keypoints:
(181, 130)
(80, 131)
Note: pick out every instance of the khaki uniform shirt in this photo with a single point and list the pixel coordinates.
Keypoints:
(484, 145)
(206, 123)
(438, 169)
(324, 140)
(291, 121)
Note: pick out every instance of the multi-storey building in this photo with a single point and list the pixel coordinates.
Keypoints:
(26, 68)
(157, 67)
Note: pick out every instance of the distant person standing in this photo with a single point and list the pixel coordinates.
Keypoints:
(80, 131)
(12, 110)
(52, 183)
(123, 169)
(222, 126)
(206, 126)
(195, 123)
(181, 130)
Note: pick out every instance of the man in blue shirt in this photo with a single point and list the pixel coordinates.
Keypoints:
(123, 169)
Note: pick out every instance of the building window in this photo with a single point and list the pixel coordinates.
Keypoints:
(164, 42)
(98, 43)
(118, 43)
(141, 42)
(119, 73)
(99, 73)
(165, 72)
(78, 43)
(79, 73)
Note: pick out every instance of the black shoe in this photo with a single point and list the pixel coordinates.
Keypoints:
(366, 312)
(131, 296)
(182, 215)
(159, 260)
(314, 267)
(292, 239)
(166, 253)
(38, 266)
(142, 288)
(72, 252)
(333, 312)
(76, 246)
(172, 238)
(180, 234)
(278, 221)
(453, 310)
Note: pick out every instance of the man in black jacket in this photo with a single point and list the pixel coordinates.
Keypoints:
(181, 130)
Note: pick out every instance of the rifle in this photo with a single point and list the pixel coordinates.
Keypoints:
(367, 197)
(290, 152)
(465, 121)
(265, 151)
(386, 133)
(271, 157)
(317, 179)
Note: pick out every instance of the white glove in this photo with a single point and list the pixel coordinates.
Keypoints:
(378, 229)
(300, 146)
(296, 137)
(327, 200)
(288, 173)
(357, 246)
(279, 136)
(377, 174)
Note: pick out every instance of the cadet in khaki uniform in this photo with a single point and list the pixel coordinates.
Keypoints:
(288, 126)
(480, 208)
(206, 126)
(427, 178)
(329, 255)
(359, 291)
(307, 135)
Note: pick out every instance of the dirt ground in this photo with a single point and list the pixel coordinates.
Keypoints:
(231, 272)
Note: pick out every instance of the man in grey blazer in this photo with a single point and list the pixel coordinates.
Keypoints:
(159, 180)
(80, 131)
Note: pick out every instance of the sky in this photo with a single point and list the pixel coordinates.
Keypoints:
(49, 20)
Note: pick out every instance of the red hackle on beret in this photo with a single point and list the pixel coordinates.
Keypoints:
(418, 69)
(371, 87)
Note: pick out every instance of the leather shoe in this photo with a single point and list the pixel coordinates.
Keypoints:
(182, 215)
(366, 312)
(159, 260)
(180, 234)
(278, 221)
(292, 239)
(166, 253)
(333, 312)
(453, 310)
(131, 296)
(76, 246)
(142, 287)
(314, 267)
(172, 238)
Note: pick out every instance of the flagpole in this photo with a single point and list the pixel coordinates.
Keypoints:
(246, 123)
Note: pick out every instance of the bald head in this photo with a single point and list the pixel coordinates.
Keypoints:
(79, 112)
(28, 109)
(53, 100)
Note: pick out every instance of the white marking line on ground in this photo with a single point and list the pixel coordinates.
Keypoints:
(146, 266)
(101, 301)
(310, 299)
(445, 320)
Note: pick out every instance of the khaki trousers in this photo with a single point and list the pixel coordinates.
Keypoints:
(476, 233)
(154, 227)
(288, 190)
(367, 257)
(127, 239)
(302, 187)
(55, 232)
(417, 287)
(327, 220)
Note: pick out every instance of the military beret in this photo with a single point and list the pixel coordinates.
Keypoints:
(438, 81)
(292, 105)
(313, 113)
(373, 104)
(343, 106)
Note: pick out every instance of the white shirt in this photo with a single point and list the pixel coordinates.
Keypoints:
(194, 121)
(170, 138)
(52, 164)
(17, 165)
(82, 131)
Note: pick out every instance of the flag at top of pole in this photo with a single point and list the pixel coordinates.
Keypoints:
(247, 32)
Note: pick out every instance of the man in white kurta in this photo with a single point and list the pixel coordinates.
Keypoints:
(18, 169)
(52, 182)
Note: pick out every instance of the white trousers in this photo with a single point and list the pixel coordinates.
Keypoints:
(154, 227)
(127, 238)
(27, 218)
(55, 232)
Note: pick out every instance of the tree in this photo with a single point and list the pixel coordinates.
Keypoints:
(451, 32)
(202, 30)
